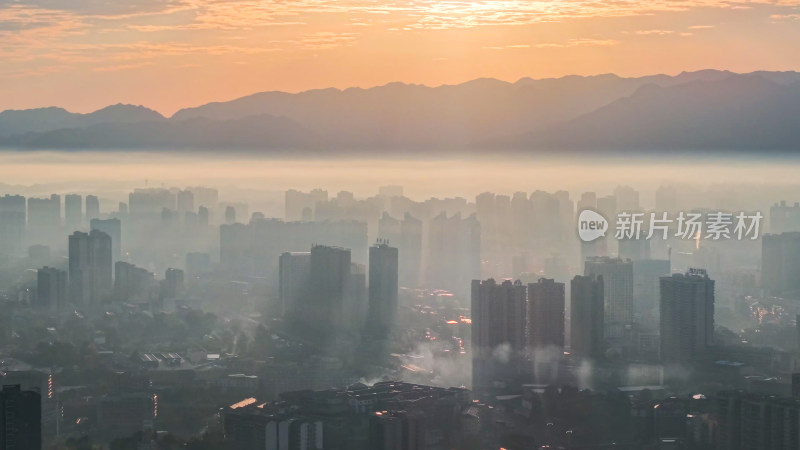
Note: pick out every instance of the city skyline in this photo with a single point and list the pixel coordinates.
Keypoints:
(485, 298)
(399, 225)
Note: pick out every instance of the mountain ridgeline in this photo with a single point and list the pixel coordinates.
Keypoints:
(705, 110)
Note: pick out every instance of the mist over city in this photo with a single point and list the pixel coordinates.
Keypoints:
(155, 307)
(399, 225)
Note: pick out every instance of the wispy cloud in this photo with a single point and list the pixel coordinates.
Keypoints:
(582, 42)
(511, 46)
(119, 67)
(654, 32)
(176, 15)
(99, 7)
(40, 37)
(784, 17)
(322, 40)
(115, 57)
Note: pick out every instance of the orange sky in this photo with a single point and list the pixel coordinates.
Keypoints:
(167, 54)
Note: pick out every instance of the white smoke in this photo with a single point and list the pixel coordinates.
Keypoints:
(502, 353)
(585, 371)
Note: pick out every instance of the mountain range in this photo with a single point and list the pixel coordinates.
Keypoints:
(704, 110)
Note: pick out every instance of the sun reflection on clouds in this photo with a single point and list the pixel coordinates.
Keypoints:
(92, 38)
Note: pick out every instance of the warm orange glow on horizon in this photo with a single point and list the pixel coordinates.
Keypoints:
(172, 54)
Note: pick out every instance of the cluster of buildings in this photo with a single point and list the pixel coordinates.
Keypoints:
(92, 278)
(152, 223)
(386, 415)
(748, 420)
(625, 319)
(519, 330)
(152, 226)
(39, 220)
(436, 247)
(324, 286)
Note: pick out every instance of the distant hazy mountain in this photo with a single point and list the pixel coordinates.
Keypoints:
(120, 113)
(251, 132)
(705, 109)
(401, 115)
(737, 112)
(48, 119)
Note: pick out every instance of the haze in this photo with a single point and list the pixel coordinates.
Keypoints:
(422, 177)
(399, 225)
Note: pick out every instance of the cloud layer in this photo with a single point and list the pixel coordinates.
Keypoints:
(85, 37)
